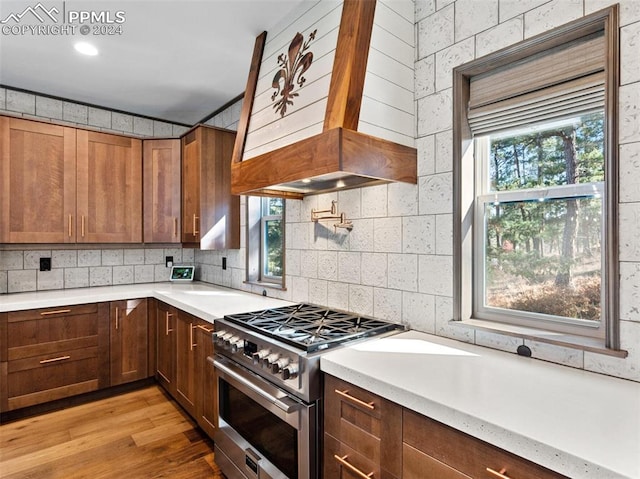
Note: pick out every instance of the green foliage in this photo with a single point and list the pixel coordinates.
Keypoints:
(528, 241)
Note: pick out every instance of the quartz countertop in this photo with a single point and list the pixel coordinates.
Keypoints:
(203, 300)
(577, 423)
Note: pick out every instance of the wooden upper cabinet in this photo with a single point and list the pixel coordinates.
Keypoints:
(161, 176)
(210, 214)
(37, 182)
(109, 191)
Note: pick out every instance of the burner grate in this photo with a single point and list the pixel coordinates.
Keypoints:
(311, 327)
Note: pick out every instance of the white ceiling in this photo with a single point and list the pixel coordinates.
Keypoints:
(176, 60)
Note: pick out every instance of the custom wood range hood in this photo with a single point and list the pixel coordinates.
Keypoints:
(332, 108)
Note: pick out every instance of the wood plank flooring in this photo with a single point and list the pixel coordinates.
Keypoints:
(140, 434)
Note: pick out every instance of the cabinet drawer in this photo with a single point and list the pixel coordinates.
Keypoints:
(418, 465)
(32, 381)
(342, 462)
(468, 455)
(53, 312)
(27, 329)
(366, 423)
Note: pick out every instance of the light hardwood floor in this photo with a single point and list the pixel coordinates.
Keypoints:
(140, 434)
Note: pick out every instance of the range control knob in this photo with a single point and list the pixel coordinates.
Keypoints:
(221, 337)
(237, 344)
(270, 359)
(259, 356)
(229, 339)
(277, 366)
(290, 371)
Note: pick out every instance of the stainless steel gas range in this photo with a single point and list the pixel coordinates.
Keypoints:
(267, 367)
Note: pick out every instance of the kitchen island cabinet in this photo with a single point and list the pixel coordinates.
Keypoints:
(128, 344)
(162, 202)
(210, 214)
(109, 188)
(54, 353)
(37, 161)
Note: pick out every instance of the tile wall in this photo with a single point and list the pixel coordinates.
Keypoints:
(397, 262)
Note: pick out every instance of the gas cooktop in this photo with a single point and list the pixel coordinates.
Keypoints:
(311, 327)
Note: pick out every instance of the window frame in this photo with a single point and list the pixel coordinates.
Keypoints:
(256, 242)
(464, 171)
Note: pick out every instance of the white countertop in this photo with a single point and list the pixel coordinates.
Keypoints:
(580, 424)
(203, 300)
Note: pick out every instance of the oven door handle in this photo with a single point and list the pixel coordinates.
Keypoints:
(285, 404)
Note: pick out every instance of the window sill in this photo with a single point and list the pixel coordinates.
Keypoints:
(559, 339)
(266, 285)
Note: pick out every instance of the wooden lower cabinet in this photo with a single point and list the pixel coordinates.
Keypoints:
(448, 453)
(166, 318)
(363, 432)
(207, 405)
(368, 436)
(183, 344)
(186, 362)
(128, 325)
(55, 353)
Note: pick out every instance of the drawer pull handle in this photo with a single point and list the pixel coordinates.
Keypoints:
(117, 318)
(345, 394)
(500, 474)
(205, 329)
(169, 315)
(53, 360)
(351, 467)
(57, 311)
(192, 344)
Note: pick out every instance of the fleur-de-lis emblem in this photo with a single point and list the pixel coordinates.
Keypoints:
(292, 67)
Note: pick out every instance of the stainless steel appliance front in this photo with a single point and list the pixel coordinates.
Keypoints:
(264, 432)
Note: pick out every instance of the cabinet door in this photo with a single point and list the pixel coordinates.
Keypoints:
(109, 188)
(3, 362)
(37, 182)
(207, 404)
(166, 318)
(161, 173)
(128, 340)
(219, 209)
(186, 361)
(191, 149)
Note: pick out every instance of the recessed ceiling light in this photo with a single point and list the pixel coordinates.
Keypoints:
(86, 49)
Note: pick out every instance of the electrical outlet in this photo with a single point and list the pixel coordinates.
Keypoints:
(45, 264)
(168, 261)
(224, 263)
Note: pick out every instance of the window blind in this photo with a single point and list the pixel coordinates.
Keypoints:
(565, 81)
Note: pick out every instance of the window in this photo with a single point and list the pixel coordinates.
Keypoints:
(536, 209)
(265, 240)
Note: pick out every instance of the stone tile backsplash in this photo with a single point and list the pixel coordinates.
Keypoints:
(19, 270)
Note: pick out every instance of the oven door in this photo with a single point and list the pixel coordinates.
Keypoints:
(263, 432)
